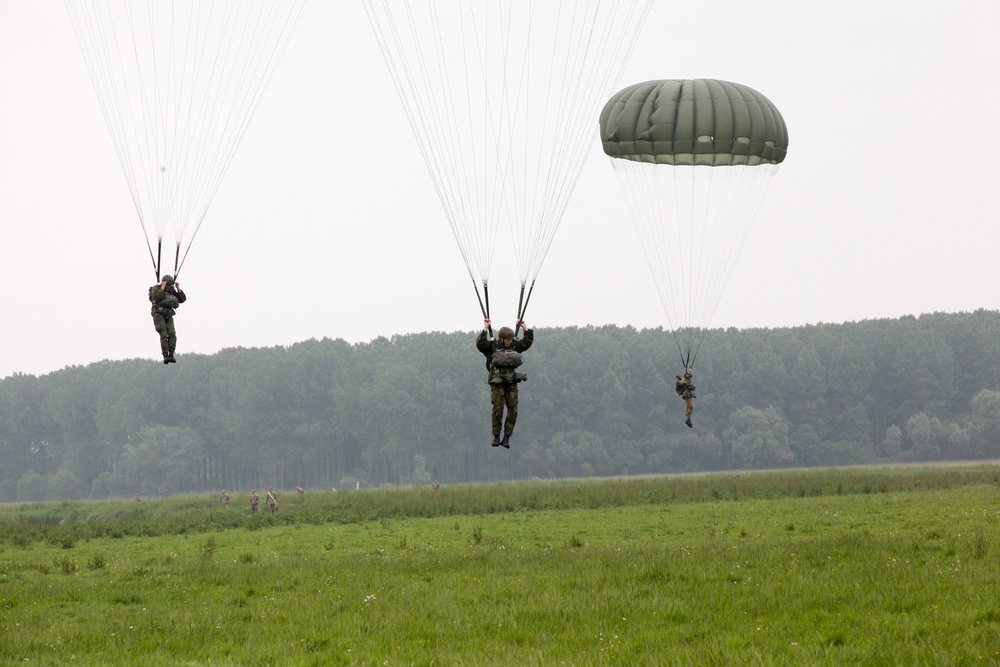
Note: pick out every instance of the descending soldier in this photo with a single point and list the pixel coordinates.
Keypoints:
(685, 389)
(165, 298)
(503, 355)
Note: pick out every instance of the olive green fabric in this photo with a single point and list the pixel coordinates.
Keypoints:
(693, 122)
(503, 380)
(163, 316)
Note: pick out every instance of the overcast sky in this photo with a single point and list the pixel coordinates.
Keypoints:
(327, 224)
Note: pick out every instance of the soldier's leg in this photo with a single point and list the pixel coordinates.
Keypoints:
(497, 399)
(511, 400)
(160, 324)
(171, 337)
(690, 406)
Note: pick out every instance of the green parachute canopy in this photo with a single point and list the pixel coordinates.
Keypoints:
(693, 122)
(694, 158)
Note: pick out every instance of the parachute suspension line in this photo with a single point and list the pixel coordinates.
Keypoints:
(485, 309)
(657, 210)
(597, 60)
(692, 224)
(90, 29)
(687, 360)
(701, 225)
(177, 260)
(156, 262)
(648, 204)
(250, 79)
(435, 123)
(490, 193)
(522, 310)
(500, 96)
(732, 199)
(425, 120)
(743, 194)
(178, 84)
(486, 295)
(590, 62)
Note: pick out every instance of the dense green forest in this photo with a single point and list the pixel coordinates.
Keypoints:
(598, 401)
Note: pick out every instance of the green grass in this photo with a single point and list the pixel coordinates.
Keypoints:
(858, 566)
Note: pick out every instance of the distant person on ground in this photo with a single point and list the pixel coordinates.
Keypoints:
(224, 499)
(685, 389)
(503, 355)
(166, 297)
(272, 500)
(254, 501)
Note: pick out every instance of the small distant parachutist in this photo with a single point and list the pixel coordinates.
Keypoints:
(685, 389)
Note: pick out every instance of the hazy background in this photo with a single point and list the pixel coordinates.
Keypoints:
(327, 224)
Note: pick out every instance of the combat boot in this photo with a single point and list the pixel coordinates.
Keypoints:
(170, 358)
(496, 441)
(505, 443)
(166, 357)
(688, 422)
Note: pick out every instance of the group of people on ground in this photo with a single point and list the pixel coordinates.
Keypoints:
(272, 499)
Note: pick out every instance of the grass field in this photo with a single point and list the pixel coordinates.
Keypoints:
(894, 566)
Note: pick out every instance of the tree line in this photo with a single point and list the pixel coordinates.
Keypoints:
(598, 401)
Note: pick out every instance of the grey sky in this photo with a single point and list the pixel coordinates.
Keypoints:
(327, 224)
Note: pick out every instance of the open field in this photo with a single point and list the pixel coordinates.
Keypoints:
(828, 567)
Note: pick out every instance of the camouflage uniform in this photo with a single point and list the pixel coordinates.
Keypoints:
(272, 500)
(254, 499)
(685, 389)
(163, 317)
(503, 383)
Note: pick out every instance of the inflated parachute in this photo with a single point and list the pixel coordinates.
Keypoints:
(178, 82)
(499, 94)
(694, 158)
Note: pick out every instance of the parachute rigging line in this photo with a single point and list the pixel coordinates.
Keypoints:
(498, 95)
(692, 223)
(522, 303)
(178, 83)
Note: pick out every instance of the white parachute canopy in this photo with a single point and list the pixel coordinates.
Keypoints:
(501, 95)
(178, 82)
